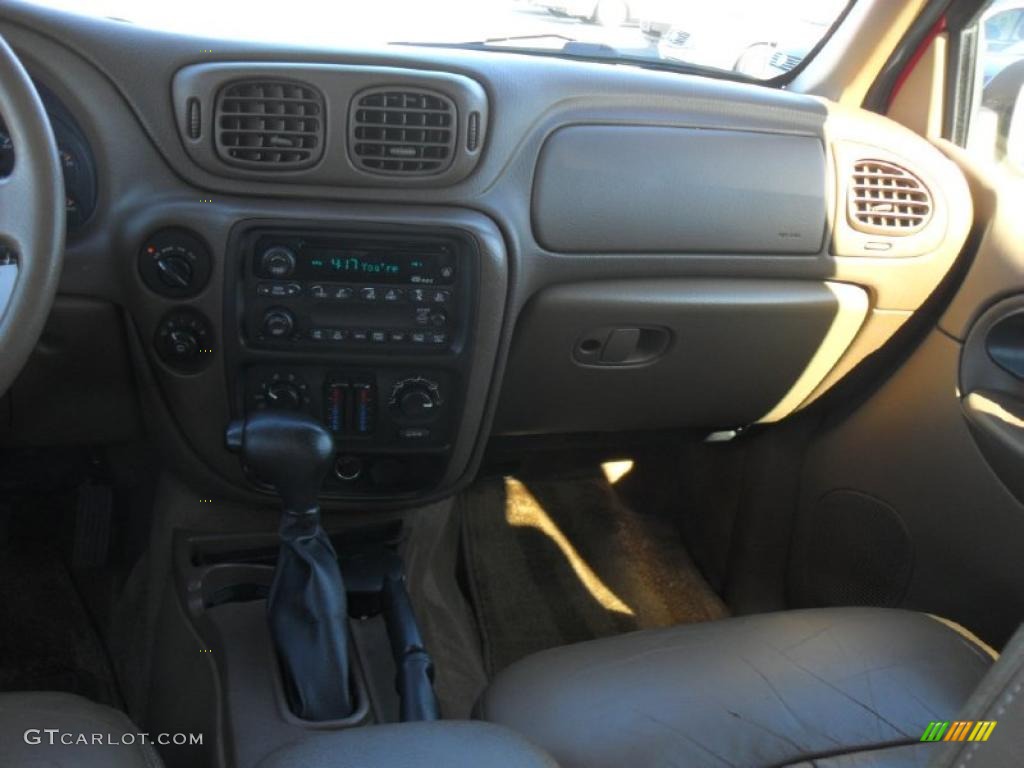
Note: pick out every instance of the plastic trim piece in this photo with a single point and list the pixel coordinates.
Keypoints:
(851, 309)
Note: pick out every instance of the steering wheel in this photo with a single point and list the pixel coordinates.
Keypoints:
(31, 219)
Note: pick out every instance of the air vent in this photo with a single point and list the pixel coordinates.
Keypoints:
(784, 61)
(270, 124)
(402, 131)
(886, 199)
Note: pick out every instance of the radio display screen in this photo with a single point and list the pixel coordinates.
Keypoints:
(338, 261)
(362, 266)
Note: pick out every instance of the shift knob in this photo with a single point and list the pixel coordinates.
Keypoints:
(291, 451)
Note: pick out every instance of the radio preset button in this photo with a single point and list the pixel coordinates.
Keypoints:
(344, 293)
(418, 337)
(318, 291)
(393, 294)
(397, 337)
(441, 297)
(360, 336)
(418, 295)
(339, 334)
(317, 334)
(378, 337)
(439, 338)
(369, 293)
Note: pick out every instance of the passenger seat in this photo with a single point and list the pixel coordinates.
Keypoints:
(837, 686)
(26, 718)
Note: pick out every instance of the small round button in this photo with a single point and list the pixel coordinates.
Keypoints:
(348, 468)
(277, 262)
(278, 323)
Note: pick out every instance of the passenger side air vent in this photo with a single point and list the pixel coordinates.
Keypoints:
(270, 124)
(404, 131)
(886, 199)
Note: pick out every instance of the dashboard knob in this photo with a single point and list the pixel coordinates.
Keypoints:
(416, 399)
(283, 395)
(277, 262)
(278, 323)
(416, 403)
(182, 345)
(174, 271)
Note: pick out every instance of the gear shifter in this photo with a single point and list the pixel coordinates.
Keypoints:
(307, 605)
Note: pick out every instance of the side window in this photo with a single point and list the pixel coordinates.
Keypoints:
(996, 128)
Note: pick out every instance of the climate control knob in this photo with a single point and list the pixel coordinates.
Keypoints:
(278, 323)
(416, 398)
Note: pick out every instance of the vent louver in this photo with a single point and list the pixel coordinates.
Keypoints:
(403, 131)
(270, 124)
(785, 61)
(886, 199)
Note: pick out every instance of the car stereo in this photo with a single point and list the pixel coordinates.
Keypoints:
(351, 290)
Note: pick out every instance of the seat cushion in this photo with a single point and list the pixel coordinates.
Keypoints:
(47, 730)
(451, 744)
(754, 691)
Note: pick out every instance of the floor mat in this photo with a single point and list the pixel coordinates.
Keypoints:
(552, 562)
(47, 640)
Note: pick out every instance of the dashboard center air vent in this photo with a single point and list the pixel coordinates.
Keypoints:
(407, 131)
(886, 199)
(270, 124)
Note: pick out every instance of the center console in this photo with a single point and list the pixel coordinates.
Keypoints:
(368, 330)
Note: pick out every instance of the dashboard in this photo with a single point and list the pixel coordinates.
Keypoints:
(427, 248)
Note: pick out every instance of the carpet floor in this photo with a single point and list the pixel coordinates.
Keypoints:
(552, 562)
(47, 640)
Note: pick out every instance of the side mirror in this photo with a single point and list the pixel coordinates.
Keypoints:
(1003, 100)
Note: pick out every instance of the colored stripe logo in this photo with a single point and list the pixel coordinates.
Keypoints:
(958, 730)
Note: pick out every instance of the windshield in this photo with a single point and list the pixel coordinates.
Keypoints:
(755, 38)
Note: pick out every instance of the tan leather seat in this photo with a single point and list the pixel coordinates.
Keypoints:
(849, 686)
(47, 729)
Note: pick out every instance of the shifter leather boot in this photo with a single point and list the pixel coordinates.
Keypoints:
(308, 620)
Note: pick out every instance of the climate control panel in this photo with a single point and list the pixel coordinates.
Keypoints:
(394, 415)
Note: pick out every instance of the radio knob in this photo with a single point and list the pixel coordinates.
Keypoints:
(277, 262)
(278, 323)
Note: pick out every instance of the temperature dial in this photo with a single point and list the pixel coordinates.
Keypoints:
(416, 398)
